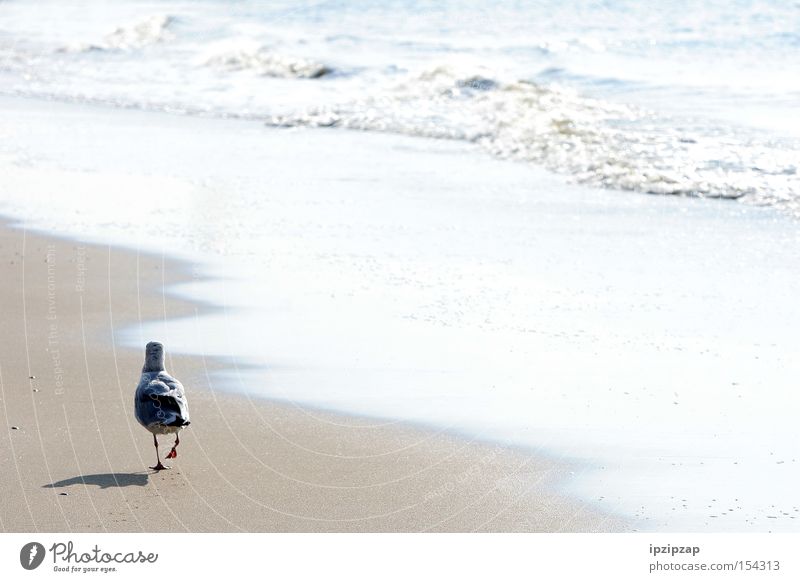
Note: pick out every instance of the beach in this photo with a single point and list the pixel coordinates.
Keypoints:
(499, 266)
(75, 460)
(407, 283)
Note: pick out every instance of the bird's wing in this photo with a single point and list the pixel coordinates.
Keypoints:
(174, 386)
(160, 401)
(178, 393)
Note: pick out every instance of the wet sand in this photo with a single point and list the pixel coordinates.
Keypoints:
(74, 459)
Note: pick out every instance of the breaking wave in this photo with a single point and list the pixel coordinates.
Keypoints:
(153, 30)
(262, 61)
(596, 142)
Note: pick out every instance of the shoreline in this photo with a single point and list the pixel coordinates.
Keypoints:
(623, 335)
(244, 465)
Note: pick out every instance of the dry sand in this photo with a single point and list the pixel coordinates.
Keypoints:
(73, 458)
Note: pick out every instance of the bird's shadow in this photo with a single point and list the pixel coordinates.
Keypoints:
(104, 480)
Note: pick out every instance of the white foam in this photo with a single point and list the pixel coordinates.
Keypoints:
(596, 142)
(152, 30)
(436, 80)
(263, 60)
(142, 33)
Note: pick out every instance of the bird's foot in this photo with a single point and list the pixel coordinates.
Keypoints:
(160, 467)
(172, 454)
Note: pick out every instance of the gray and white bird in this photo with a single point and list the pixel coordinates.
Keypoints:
(160, 405)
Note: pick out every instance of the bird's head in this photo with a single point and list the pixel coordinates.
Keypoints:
(154, 357)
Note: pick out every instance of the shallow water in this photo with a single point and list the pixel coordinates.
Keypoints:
(652, 339)
(696, 98)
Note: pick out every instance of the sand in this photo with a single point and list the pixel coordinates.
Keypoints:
(74, 459)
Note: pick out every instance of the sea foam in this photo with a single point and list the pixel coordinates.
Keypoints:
(596, 142)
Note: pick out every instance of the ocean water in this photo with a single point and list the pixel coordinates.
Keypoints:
(466, 259)
(695, 98)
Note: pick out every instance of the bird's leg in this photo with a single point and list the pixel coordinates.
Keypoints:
(173, 453)
(159, 466)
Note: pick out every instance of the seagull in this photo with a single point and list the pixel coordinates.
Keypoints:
(160, 404)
